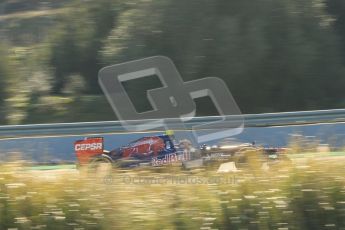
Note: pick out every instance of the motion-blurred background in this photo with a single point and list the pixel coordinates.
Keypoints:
(274, 55)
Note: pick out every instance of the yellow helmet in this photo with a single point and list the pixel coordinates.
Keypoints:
(169, 132)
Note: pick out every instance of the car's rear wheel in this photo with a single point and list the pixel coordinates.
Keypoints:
(100, 167)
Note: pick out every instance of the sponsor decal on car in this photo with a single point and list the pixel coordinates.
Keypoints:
(88, 146)
(171, 158)
(94, 145)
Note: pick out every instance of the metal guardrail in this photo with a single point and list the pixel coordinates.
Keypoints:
(250, 120)
(295, 118)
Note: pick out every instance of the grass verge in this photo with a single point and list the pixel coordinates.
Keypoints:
(309, 196)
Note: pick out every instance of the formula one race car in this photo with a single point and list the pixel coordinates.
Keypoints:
(165, 150)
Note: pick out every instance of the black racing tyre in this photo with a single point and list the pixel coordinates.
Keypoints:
(100, 167)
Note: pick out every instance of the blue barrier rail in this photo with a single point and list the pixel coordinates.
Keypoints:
(250, 120)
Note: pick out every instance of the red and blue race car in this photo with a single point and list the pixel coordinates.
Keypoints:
(164, 149)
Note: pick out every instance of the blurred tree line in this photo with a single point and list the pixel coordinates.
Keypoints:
(273, 55)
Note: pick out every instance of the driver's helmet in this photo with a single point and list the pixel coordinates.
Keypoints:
(170, 132)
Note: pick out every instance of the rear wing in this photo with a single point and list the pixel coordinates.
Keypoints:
(87, 148)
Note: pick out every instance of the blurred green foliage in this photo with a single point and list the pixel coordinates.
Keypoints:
(273, 55)
(5, 75)
(76, 43)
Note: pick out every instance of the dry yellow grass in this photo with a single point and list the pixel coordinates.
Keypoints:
(310, 196)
